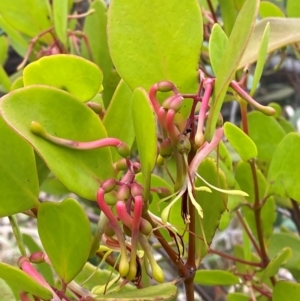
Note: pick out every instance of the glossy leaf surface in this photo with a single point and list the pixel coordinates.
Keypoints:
(283, 31)
(156, 41)
(60, 18)
(145, 131)
(70, 73)
(24, 282)
(19, 182)
(245, 179)
(215, 277)
(62, 115)
(165, 291)
(285, 290)
(29, 17)
(232, 55)
(95, 30)
(284, 174)
(65, 232)
(240, 141)
(117, 119)
(269, 9)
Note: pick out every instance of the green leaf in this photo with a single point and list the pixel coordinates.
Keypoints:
(266, 134)
(217, 44)
(274, 265)
(17, 41)
(60, 18)
(19, 182)
(232, 55)
(29, 17)
(4, 80)
(22, 281)
(278, 241)
(261, 59)
(228, 14)
(215, 277)
(293, 8)
(284, 173)
(65, 233)
(117, 119)
(165, 291)
(156, 41)
(6, 293)
(95, 29)
(3, 49)
(62, 115)
(240, 141)
(110, 86)
(245, 179)
(145, 131)
(269, 9)
(70, 73)
(285, 290)
(283, 31)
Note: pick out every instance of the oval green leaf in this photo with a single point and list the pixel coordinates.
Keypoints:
(240, 141)
(23, 282)
(60, 18)
(274, 265)
(62, 115)
(145, 132)
(293, 8)
(215, 277)
(284, 171)
(285, 290)
(19, 187)
(159, 40)
(269, 9)
(237, 44)
(65, 233)
(30, 17)
(117, 119)
(217, 44)
(70, 73)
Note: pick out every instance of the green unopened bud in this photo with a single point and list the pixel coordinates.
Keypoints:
(95, 107)
(123, 266)
(165, 86)
(37, 129)
(166, 148)
(145, 227)
(276, 107)
(183, 144)
(132, 270)
(160, 161)
(123, 193)
(127, 231)
(108, 185)
(123, 150)
(109, 231)
(173, 102)
(121, 164)
(157, 272)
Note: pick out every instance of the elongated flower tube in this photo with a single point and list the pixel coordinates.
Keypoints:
(243, 94)
(120, 146)
(27, 267)
(124, 265)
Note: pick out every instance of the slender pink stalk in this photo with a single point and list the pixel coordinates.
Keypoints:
(171, 128)
(242, 93)
(124, 266)
(24, 296)
(199, 137)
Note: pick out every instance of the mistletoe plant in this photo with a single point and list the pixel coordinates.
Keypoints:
(149, 150)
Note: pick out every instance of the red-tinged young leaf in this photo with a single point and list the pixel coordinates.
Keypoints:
(61, 115)
(65, 233)
(19, 187)
(145, 132)
(232, 55)
(21, 280)
(70, 73)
